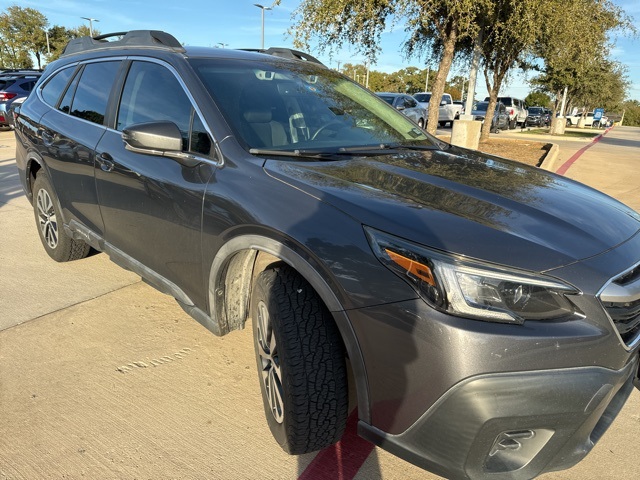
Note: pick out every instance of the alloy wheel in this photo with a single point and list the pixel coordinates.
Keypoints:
(47, 220)
(270, 361)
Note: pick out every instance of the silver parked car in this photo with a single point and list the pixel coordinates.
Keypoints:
(407, 105)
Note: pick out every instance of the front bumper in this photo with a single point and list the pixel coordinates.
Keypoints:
(513, 425)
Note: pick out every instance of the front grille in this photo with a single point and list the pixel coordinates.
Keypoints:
(621, 300)
(626, 318)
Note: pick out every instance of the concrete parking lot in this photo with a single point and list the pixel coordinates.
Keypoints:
(102, 377)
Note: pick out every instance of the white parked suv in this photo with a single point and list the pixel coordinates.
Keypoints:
(516, 110)
(447, 112)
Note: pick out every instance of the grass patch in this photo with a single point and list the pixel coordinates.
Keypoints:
(567, 133)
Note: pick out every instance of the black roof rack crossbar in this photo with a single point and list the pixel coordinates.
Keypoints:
(134, 38)
(286, 53)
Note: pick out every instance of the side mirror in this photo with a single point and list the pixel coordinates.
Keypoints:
(153, 137)
(157, 138)
(400, 107)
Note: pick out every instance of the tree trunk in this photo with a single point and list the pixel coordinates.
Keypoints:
(441, 78)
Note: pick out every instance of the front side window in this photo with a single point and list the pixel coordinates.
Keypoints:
(92, 93)
(153, 94)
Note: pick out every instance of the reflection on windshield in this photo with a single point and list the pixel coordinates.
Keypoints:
(291, 106)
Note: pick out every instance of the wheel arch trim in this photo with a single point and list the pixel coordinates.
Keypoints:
(258, 243)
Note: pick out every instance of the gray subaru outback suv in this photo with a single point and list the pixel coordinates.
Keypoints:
(489, 311)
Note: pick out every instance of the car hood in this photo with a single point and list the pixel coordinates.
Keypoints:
(468, 203)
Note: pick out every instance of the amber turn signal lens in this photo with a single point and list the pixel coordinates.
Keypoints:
(417, 269)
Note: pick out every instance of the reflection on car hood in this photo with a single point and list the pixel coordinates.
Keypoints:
(471, 204)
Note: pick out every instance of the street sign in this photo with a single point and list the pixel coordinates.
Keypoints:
(597, 114)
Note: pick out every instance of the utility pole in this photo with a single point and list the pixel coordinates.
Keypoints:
(46, 34)
(426, 82)
(263, 8)
(91, 20)
(473, 74)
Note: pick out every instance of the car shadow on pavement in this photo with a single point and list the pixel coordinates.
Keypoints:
(9, 183)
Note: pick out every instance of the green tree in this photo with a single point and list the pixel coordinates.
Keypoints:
(631, 111)
(435, 28)
(21, 35)
(509, 32)
(571, 62)
(538, 99)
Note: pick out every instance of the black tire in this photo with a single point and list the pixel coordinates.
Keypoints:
(513, 124)
(60, 246)
(421, 123)
(304, 383)
(442, 124)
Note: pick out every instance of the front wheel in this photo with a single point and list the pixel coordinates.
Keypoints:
(301, 362)
(60, 246)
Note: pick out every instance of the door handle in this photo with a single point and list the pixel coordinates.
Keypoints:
(106, 161)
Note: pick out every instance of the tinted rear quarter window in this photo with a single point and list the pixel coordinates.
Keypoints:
(92, 94)
(55, 85)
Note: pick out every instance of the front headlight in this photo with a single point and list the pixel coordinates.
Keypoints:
(472, 289)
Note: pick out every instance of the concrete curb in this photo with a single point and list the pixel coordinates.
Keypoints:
(550, 158)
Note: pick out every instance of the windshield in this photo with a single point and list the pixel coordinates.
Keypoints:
(295, 106)
(422, 97)
(482, 106)
(535, 111)
(387, 98)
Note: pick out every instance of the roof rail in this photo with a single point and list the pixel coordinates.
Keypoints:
(134, 38)
(286, 53)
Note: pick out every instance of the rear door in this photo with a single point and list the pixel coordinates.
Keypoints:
(69, 133)
(152, 205)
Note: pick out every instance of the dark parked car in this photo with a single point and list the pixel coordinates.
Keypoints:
(500, 119)
(538, 116)
(13, 86)
(492, 329)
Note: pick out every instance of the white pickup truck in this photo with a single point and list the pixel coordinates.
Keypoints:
(447, 112)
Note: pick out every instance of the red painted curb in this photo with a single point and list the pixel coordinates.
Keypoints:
(566, 165)
(342, 460)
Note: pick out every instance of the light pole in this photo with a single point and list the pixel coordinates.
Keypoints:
(263, 8)
(91, 20)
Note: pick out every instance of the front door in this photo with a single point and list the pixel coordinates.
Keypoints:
(152, 205)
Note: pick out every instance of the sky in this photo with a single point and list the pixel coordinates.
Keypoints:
(237, 24)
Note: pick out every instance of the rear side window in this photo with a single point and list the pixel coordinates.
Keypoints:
(55, 86)
(92, 93)
(28, 86)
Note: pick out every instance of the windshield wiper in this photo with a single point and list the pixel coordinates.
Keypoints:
(364, 150)
(387, 146)
(300, 152)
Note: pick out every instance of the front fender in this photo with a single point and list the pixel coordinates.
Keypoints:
(238, 255)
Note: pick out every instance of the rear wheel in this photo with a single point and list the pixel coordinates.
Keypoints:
(301, 362)
(512, 124)
(60, 246)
